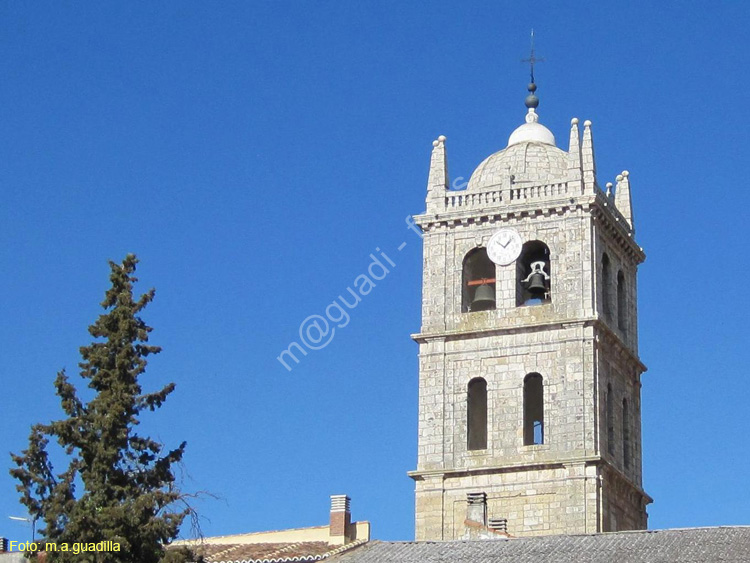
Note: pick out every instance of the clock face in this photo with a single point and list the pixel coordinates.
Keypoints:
(504, 246)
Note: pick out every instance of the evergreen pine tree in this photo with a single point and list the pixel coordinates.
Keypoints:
(118, 485)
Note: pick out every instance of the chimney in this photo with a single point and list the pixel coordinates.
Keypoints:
(476, 509)
(341, 520)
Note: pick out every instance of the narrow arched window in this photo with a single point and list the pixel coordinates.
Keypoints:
(622, 321)
(533, 275)
(533, 410)
(477, 414)
(625, 434)
(606, 287)
(610, 400)
(478, 283)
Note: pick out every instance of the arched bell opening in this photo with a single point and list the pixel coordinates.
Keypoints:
(476, 423)
(622, 322)
(478, 284)
(533, 410)
(610, 401)
(533, 275)
(606, 287)
(625, 434)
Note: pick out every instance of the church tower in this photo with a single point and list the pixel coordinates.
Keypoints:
(529, 375)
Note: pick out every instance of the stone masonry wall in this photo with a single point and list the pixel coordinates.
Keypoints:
(535, 487)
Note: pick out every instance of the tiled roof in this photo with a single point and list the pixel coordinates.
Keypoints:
(691, 545)
(299, 552)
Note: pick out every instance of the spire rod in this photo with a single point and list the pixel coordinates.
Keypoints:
(533, 58)
(532, 102)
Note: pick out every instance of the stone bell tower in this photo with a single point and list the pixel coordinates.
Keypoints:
(529, 375)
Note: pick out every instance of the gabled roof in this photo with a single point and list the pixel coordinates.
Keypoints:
(296, 552)
(691, 545)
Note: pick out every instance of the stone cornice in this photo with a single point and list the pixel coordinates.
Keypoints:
(615, 225)
(492, 331)
(501, 213)
(502, 468)
(602, 210)
(609, 336)
(622, 480)
(606, 336)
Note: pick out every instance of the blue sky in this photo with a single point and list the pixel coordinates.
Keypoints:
(253, 155)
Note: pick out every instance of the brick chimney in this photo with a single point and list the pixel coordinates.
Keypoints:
(340, 532)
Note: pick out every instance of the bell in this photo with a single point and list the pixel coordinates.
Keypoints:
(484, 298)
(537, 285)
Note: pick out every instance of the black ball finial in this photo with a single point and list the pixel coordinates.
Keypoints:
(531, 100)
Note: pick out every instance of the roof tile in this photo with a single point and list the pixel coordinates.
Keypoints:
(691, 545)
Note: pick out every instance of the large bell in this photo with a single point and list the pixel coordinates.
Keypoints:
(484, 298)
(537, 286)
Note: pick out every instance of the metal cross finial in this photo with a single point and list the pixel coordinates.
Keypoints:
(532, 59)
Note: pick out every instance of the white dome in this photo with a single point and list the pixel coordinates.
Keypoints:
(532, 132)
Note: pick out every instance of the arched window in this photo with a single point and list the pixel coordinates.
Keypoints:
(477, 414)
(533, 410)
(621, 302)
(606, 287)
(478, 284)
(610, 400)
(533, 274)
(625, 434)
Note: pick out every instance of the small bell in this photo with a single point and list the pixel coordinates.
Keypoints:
(536, 284)
(537, 280)
(484, 298)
